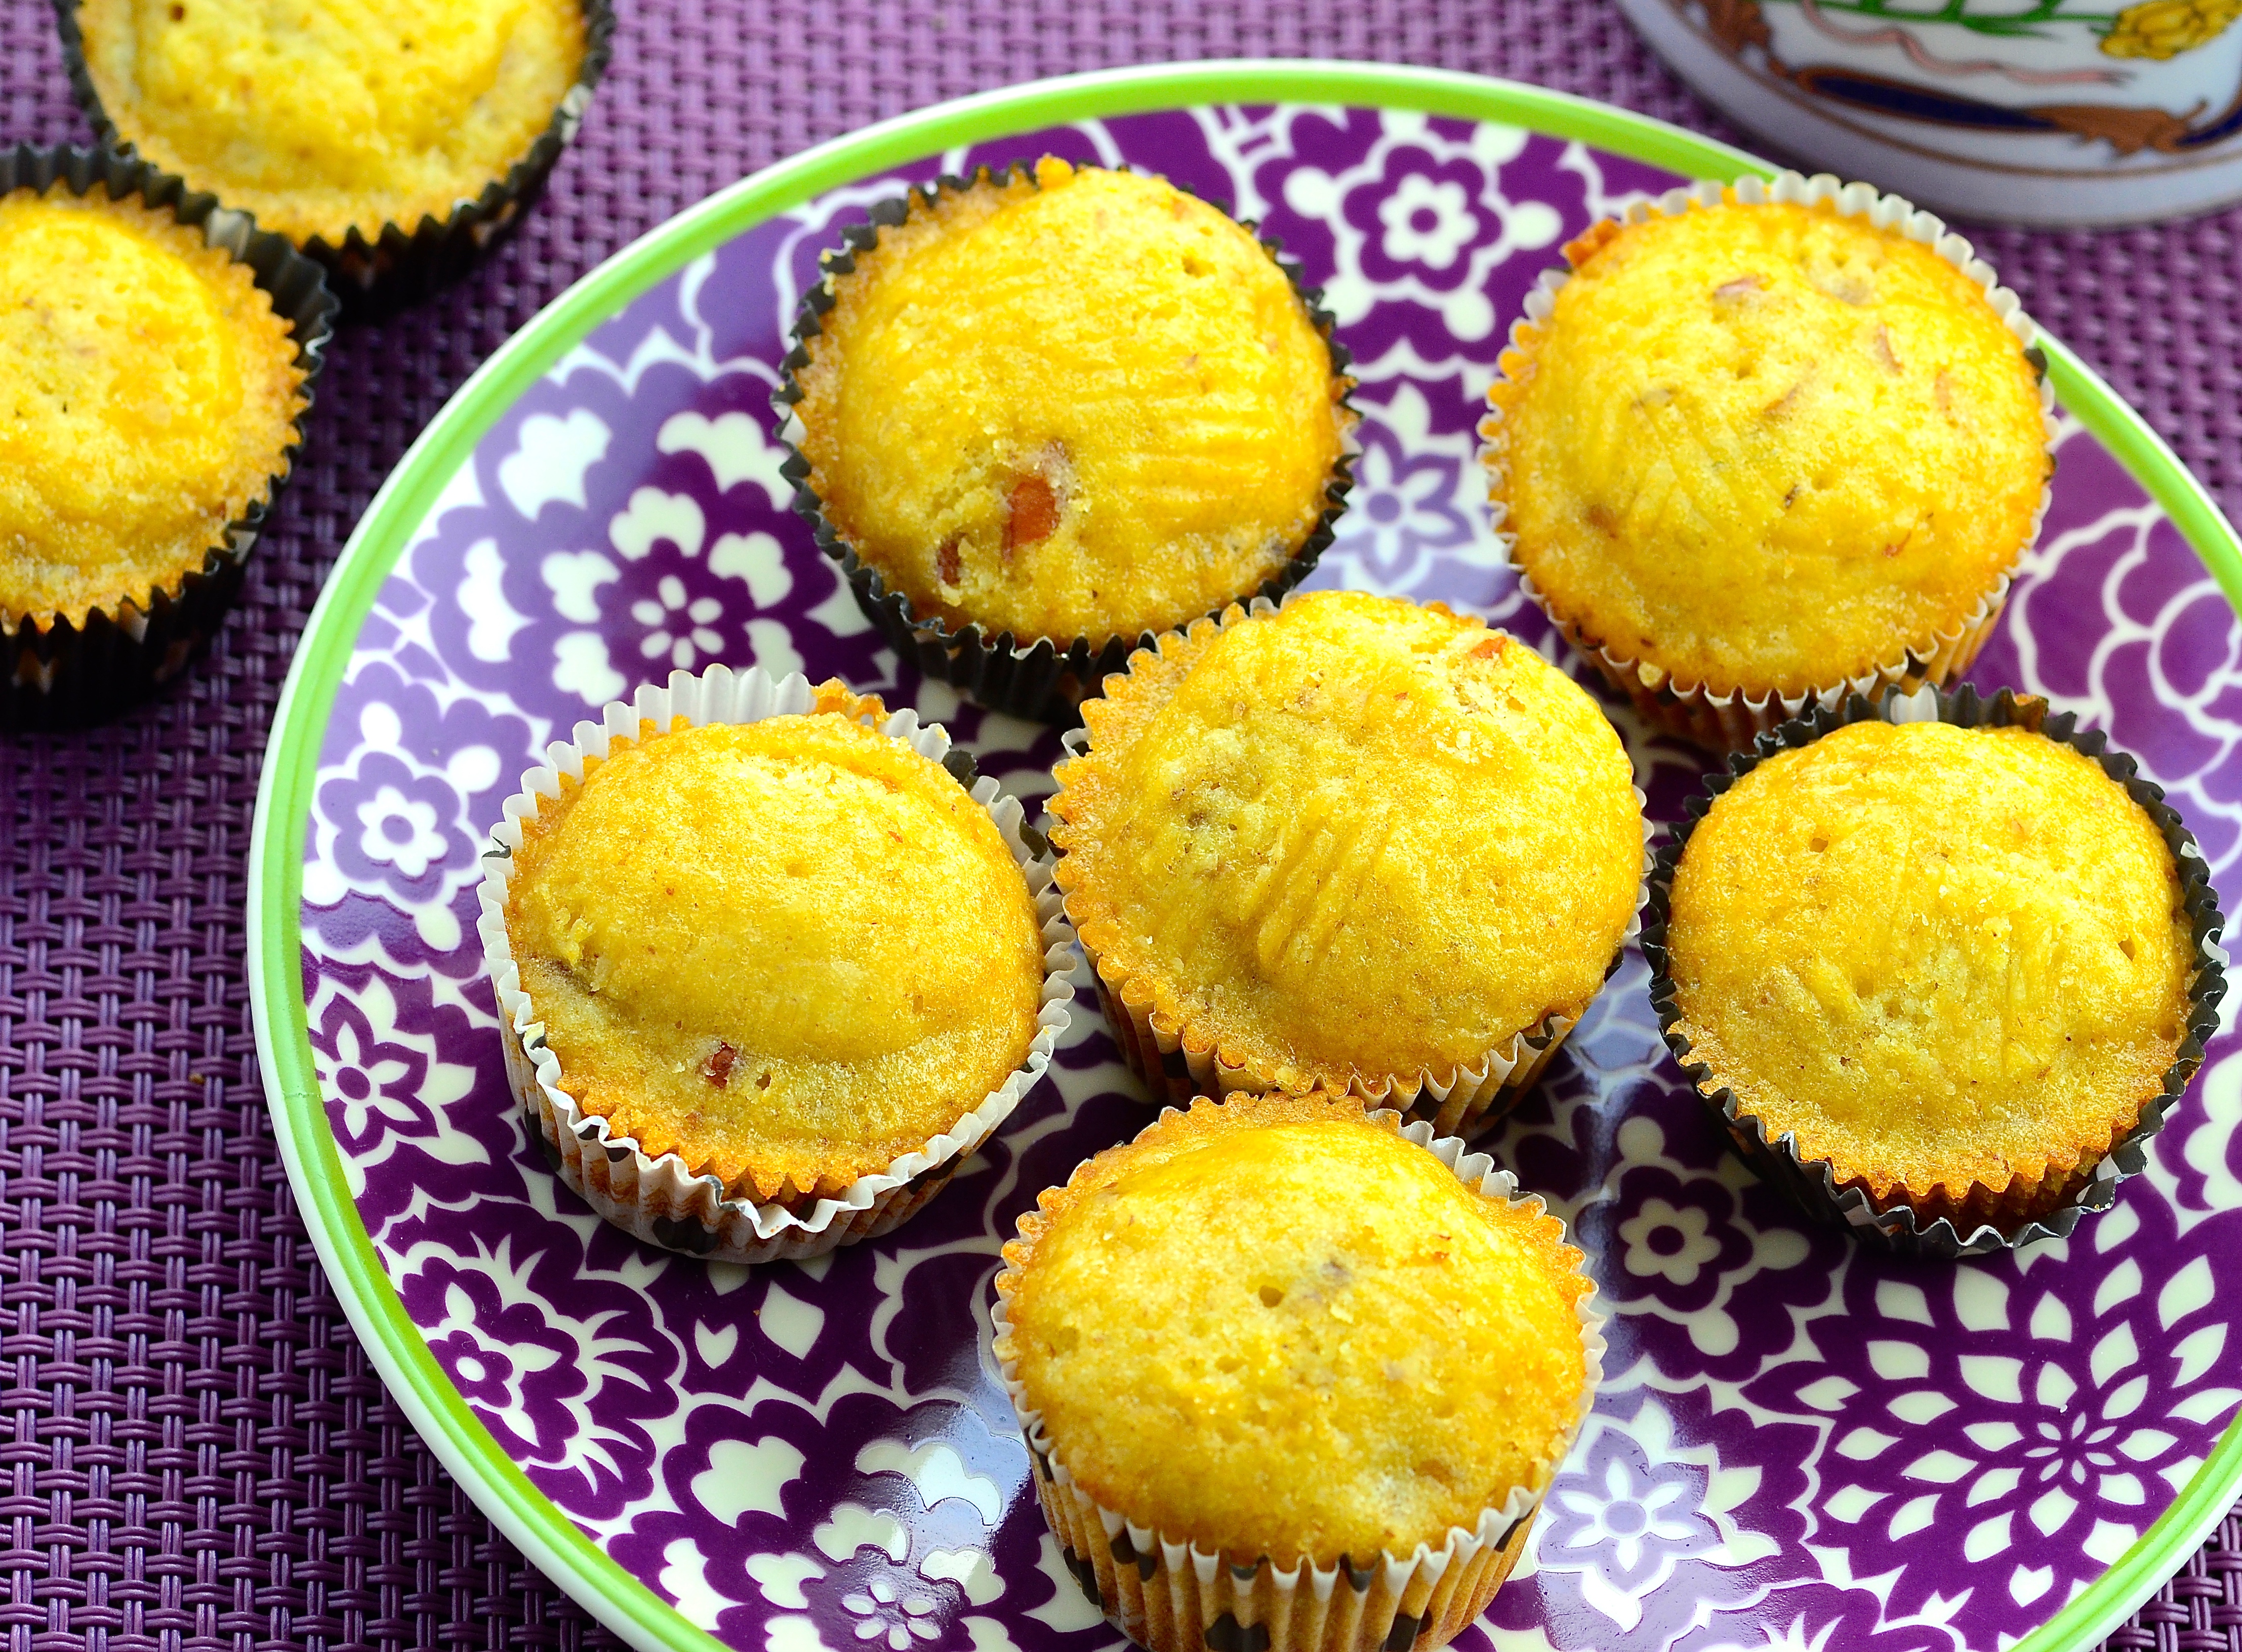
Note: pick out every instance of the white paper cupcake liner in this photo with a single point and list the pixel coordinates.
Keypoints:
(656, 1196)
(1177, 1060)
(1992, 1220)
(1731, 720)
(1168, 1594)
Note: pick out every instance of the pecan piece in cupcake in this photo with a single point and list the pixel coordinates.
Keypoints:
(1045, 412)
(1294, 1377)
(1937, 974)
(1352, 843)
(1766, 445)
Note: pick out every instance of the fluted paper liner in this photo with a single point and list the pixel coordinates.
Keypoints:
(1177, 1060)
(65, 673)
(1731, 720)
(657, 1197)
(1167, 1593)
(403, 263)
(1041, 679)
(1987, 1218)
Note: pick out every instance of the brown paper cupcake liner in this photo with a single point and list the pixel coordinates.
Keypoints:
(1041, 679)
(1168, 1594)
(657, 1197)
(1177, 1060)
(400, 265)
(1731, 720)
(65, 673)
(1985, 1218)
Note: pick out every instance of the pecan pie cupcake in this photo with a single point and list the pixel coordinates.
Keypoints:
(1769, 444)
(1045, 412)
(1350, 843)
(788, 962)
(1941, 969)
(1388, 1355)
(389, 138)
(157, 394)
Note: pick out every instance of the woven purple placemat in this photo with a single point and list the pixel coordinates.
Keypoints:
(192, 1449)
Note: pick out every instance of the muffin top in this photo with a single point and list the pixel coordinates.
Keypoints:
(323, 116)
(1937, 956)
(788, 951)
(1375, 1353)
(151, 395)
(1354, 836)
(1767, 447)
(1082, 404)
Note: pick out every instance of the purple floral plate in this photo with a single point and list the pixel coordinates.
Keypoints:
(1800, 1444)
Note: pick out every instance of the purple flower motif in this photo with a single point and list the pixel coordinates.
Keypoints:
(559, 1361)
(2006, 1428)
(379, 1085)
(1422, 222)
(1813, 1617)
(1650, 1521)
(1675, 1244)
(1417, 493)
(407, 787)
(396, 828)
(1417, 218)
(414, 1085)
(487, 1372)
(890, 1605)
(1643, 1517)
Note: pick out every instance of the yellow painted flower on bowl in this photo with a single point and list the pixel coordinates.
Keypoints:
(2163, 29)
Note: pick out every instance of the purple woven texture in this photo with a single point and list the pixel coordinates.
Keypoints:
(193, 1446)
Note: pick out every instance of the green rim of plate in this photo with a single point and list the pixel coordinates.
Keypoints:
(546, 1536)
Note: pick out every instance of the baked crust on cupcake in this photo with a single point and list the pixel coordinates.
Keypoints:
(1954, 963)
(789, 952)
(323, 117)
(1766, 448)
(1069, 405)
(1375, 1352)
(1352, 843)
(152, 396)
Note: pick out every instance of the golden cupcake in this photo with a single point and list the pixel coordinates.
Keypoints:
(324, 119)
(1354, 844)
(1953, 964)
(1763, 450)
(1336, 1350)
(1069, 404)
(152, 396)
(788, 952)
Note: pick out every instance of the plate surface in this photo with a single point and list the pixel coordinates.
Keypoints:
(1799, 1444)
